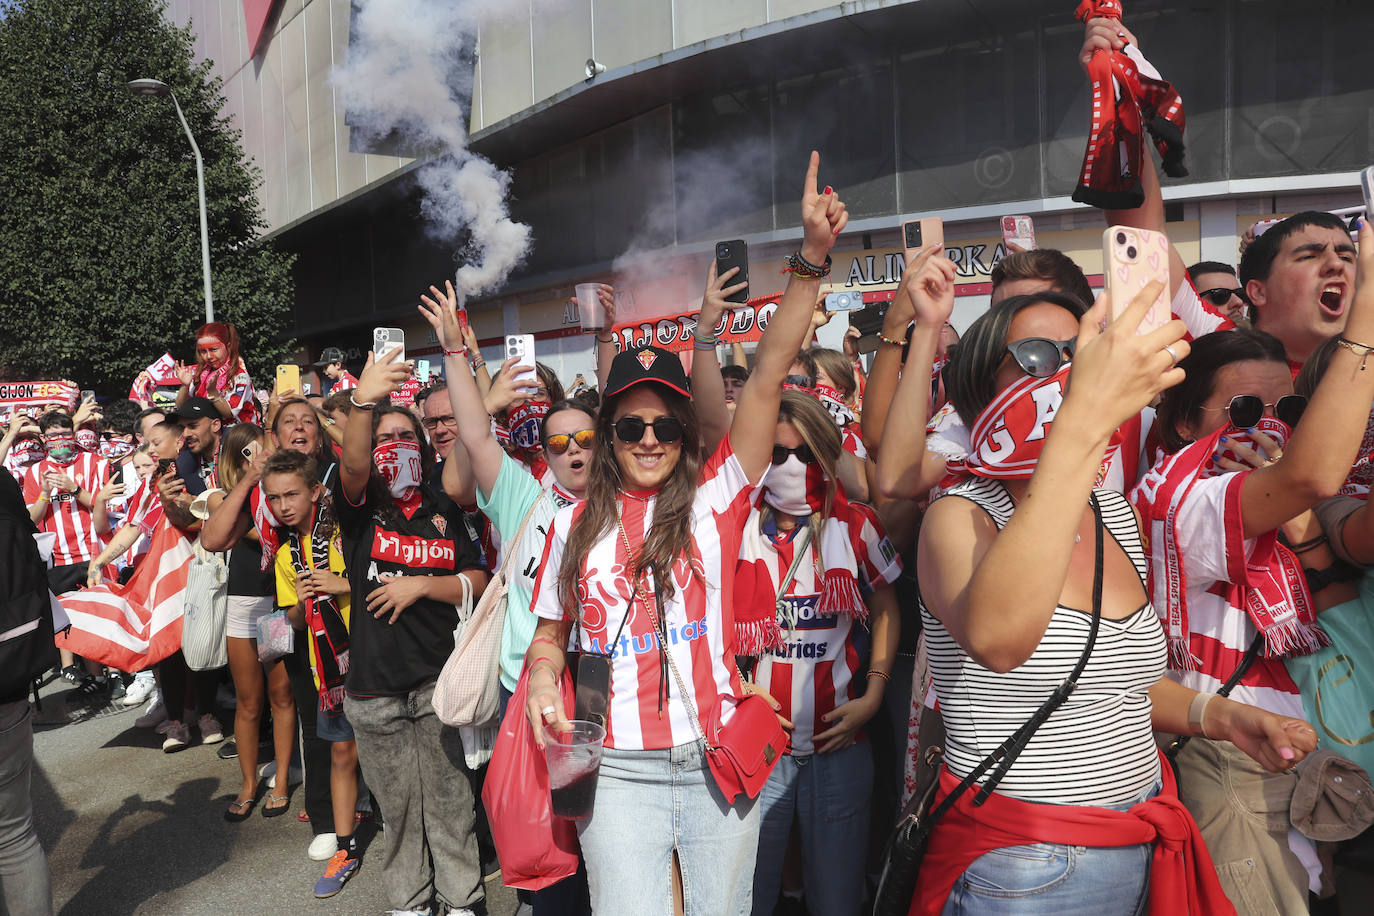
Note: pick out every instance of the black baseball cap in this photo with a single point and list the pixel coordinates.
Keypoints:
(646, 364)
(330, 355)
(196, 408)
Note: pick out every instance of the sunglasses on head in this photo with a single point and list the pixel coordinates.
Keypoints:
(631, 429)
(803, 453)
(558, 443)
(1040, 357)
(1221, 296)
(1245, 410)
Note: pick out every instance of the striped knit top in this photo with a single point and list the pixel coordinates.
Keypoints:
(1097, 748)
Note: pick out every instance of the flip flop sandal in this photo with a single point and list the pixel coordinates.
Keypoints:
(279, 810)
(239, 810)
(302, 816)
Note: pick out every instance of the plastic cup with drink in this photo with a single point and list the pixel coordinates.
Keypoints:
(589, 307)
(574, 759)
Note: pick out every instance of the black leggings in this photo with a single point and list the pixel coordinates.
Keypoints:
(175, 675)
(315, 751)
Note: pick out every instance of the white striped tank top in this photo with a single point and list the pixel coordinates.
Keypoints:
(1097, 748)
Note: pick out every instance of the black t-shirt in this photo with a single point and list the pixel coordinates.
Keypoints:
(246, 576)
(393, 659)
(194, 472)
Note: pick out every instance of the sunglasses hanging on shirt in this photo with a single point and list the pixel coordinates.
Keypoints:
(1040, 357)
(631, 429)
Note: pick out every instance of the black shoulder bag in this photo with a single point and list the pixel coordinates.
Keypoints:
(907, 846)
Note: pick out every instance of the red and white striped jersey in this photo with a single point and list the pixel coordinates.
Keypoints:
(821, 663)
(72, 522)
(345, 382)
(145, 511)
(852, 440)
(1213, 551)
(699, 623)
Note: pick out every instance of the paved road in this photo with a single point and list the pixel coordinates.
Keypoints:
(129, 829)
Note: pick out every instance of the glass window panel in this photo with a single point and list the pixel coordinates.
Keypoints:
(722, 164)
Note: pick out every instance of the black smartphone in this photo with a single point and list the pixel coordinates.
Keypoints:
(593, 694)
(162, 465)
(734, 253)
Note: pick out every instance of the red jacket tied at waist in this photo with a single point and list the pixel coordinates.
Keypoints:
(1182, 877)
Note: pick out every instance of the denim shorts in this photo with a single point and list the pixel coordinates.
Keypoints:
(649, 803)
(1052, 878)
(332, 726)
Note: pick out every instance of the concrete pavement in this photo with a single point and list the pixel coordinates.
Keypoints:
(129, 829)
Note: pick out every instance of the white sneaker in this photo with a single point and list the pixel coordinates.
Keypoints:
(268, 771)
(139, 691)
(211, 732)
(323, 847)
(156, 714)
(178, 736)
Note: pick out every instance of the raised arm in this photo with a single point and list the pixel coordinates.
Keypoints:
(605, 341)
(823, 217)
(968, 568)
(1324, 445)
(905, 469)
(886, 368)
(708, 388)
(474, 424)
(379, 379)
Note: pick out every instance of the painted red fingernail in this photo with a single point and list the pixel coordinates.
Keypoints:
(829, 189)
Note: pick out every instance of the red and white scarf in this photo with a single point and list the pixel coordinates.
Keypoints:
(266, 523)
(1269, 584)
(1362, 472)
(797, 489)
(1128, 97)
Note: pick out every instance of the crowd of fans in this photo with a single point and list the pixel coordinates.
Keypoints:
(705, 533)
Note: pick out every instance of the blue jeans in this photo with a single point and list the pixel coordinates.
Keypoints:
(829, 796)
(1052, 878)
(649, 803)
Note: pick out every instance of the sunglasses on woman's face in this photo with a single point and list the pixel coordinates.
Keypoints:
(1245, 410)
(1221, 296)
(803, 453)
(1040, 357)
(558, 443)
(631, 429)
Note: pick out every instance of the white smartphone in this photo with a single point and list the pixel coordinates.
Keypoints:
(521, 346)
(1018, 231)
(384, 340)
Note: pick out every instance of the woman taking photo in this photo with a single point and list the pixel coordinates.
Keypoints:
(825, 655)
(1240, 472)
(410, 563)
(1007, 574)
(654, 548)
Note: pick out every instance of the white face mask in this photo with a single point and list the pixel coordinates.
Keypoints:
(399, 464)
(788, 489)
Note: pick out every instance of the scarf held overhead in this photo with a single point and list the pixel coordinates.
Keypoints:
(1128, 98)
(1268, 583)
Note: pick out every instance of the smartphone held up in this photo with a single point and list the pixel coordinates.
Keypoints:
(920, 234)
(734, 253)
(1131, 258)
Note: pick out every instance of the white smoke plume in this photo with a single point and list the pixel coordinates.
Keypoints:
(407, 75)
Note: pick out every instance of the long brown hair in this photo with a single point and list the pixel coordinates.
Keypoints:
(670, 535)
(231, 464)
(817, 429)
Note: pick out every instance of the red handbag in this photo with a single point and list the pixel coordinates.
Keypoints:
(742, 752)
(536, 848)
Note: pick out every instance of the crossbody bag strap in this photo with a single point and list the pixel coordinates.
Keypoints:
(509, 561)
(803, 541)
(1001, 759)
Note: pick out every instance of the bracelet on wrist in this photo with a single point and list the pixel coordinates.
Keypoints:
(1197, 713)
(601, 339)
(457, 351)
(478, 364)
(887, 678)
(363, 405)
(1305, 546)
(798, 266)
(891, 340)
(1363, 351)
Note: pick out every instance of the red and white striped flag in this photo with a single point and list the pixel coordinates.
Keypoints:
(136, 625)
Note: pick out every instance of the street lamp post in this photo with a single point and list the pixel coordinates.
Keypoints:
(158, 87)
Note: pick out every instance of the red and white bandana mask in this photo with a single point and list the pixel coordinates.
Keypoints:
(88, 440)
(63, 450)
(115, 449)
(833, 402)
(1007, 437)
(524, 423)
(399, 464)
(1270, 586)
(27, 451)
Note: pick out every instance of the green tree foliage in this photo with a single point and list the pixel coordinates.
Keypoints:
(100, 269)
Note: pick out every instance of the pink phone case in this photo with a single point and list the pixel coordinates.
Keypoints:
(1131, 258)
